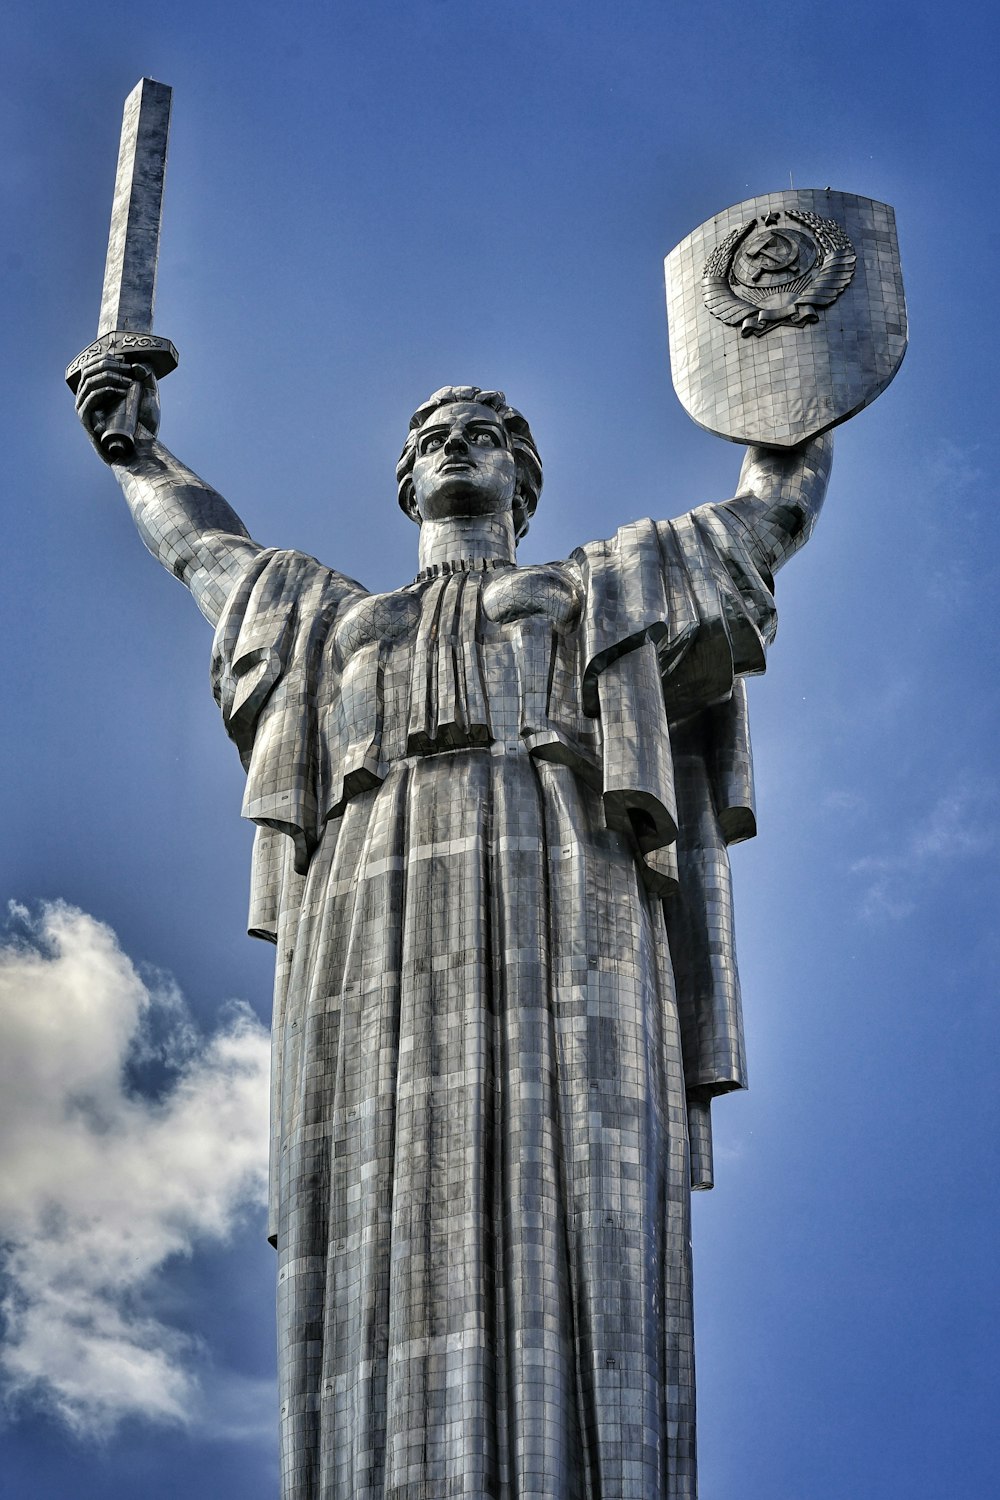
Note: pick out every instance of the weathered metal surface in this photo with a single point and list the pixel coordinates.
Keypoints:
(124, 329)
(493, 808)
(786, 315)
(134, 240)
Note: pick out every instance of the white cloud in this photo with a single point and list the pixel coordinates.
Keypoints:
(960, 825)
(101, 1183)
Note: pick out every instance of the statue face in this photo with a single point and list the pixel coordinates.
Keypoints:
(464, 465)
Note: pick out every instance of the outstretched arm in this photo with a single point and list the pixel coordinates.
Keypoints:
(185, 523)
(779, 496)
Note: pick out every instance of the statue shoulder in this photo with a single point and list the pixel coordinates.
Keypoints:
(277, 577)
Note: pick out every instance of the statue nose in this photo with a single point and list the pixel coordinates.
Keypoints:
(456, 444)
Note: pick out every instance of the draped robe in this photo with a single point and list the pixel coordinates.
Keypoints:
(493, 809)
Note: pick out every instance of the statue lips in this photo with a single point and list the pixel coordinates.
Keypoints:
(458, 466)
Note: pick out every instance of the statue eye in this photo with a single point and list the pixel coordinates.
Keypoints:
(430, 443)
(485, 439)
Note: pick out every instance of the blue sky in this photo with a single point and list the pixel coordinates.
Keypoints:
(364, 202)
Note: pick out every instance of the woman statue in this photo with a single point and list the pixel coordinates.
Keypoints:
(492, 810)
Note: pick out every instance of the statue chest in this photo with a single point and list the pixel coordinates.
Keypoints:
(463, 660)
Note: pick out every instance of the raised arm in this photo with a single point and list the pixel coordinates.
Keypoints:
(779, 496)
(185, 523)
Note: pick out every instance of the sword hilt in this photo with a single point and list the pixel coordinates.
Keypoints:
(150, 354)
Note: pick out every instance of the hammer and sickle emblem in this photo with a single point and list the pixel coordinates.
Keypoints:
(759, 277)
(777, 252)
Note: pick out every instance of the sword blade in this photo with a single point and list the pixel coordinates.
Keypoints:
(134, 240)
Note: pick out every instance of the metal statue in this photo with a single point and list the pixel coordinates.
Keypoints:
(493, 808)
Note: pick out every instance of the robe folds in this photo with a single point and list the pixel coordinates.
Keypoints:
(493, 809)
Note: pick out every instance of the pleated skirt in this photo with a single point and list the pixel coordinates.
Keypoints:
(484, 1236)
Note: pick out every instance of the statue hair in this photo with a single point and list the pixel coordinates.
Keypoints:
(529, 465)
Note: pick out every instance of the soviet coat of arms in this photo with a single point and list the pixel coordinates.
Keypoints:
(777, 269)
(786, 314)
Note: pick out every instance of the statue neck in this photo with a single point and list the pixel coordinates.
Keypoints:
(467, 539)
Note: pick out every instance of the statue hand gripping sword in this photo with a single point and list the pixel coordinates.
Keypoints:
(126, 352)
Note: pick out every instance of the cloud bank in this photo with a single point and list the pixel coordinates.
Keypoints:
(128, 1139)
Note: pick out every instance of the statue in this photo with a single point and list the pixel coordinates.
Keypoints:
(492, 812)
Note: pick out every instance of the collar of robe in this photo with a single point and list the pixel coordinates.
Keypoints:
(463, 565)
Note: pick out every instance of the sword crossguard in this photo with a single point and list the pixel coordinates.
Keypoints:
(142, 349)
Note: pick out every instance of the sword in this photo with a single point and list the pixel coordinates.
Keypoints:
(126, 321)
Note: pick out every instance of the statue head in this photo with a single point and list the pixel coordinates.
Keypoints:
(493, 460)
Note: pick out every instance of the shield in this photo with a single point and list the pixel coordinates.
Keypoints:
(786, 315)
